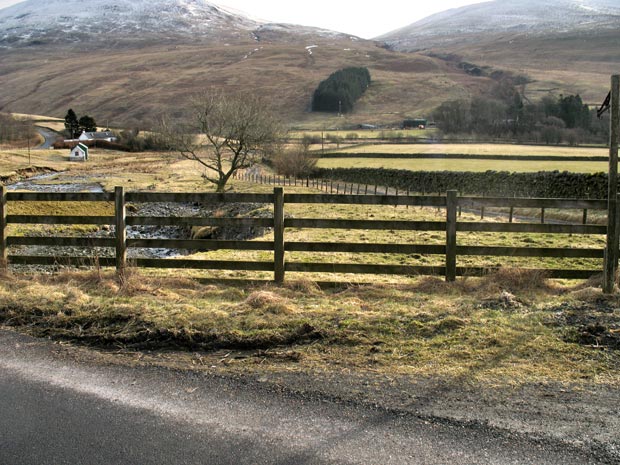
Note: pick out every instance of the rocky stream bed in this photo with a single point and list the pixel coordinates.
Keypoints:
(59, 182)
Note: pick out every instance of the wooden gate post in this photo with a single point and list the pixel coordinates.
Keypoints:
(611, 251)
(451, 211)
(278, 234)
(120, 231)
(4, 246)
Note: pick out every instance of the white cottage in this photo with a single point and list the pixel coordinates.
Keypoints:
(79, 153)
(101, 135)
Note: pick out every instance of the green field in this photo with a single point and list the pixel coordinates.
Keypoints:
(463, 165)
(480, 149)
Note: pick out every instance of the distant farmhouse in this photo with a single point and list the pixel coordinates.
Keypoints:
(102, 139)
(95, 136)
(79, 153)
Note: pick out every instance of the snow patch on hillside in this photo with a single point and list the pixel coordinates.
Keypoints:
(508, 16)
(45, 18)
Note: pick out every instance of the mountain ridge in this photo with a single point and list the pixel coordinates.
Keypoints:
(502, 17)
(56, 21)
(106, 61)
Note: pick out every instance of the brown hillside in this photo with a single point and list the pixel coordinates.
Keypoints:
(576, 63)
(135, 85)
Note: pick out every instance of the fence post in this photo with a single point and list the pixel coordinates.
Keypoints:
(611, 256)
(120, 230)
(4, 246)
(278, 234)
(451, 209)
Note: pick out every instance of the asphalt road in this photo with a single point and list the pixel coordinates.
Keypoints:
(58, 407)
(49, 136)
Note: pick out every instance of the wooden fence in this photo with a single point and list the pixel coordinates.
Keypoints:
(337, 187)
(450, 250)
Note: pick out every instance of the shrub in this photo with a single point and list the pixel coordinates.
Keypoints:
(297, 161)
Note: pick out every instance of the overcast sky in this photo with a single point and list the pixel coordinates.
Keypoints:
(350, 16)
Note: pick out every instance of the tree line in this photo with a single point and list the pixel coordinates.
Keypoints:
(15, 130)
(553, 120)
(74, 126)
(340, 91)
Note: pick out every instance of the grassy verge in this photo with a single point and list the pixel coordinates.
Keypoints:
(508, 328)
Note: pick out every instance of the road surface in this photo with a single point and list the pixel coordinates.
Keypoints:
(49, 136)
(68, 409)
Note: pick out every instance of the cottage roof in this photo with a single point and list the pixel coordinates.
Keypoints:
(98, 135)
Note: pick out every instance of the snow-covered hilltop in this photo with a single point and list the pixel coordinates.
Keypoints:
(506, 16)
(78, 21)
(75, 20)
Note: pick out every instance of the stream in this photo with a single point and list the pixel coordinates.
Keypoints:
(62, 182)
(55, 182)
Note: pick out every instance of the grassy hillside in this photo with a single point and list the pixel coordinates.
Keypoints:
(132, 86)
(577, 63)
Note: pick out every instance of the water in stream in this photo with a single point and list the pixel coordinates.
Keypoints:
(55, 182)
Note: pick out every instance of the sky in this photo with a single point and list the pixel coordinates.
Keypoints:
(349, 16)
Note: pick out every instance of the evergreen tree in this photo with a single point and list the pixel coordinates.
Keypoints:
(87, 123)
(340, 90)
(72, 126)
(573, 111)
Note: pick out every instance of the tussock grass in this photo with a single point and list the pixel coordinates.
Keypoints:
(267, 301)
(502, 328)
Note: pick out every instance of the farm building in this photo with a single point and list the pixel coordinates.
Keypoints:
(79, 153)
(101, 135)
(415, 123)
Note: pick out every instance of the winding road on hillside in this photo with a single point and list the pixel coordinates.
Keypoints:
(49, 137)
(62, 407)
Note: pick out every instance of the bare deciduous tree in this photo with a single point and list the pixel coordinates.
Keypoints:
(225, 133)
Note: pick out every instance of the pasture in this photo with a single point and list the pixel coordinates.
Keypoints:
(510, 327)
(527, 166)
(501, 157)
(479, 149)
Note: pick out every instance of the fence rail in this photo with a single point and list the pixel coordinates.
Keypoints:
(280, 247)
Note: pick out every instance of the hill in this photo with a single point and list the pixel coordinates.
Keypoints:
(123, 62)
(562, 45)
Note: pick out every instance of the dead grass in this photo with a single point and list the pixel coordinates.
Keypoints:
(502, 328)
(268, 301)
(282, 71)
(479, 149)
(428, 164)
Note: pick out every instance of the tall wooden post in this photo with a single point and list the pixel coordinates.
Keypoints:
(451, 210)
(121, 231)
(278, 234)
(4, 246)
(611, 252)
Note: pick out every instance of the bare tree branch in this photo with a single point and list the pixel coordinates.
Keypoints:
(225, 133)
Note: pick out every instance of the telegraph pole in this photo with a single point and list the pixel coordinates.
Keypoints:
(613, 233)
